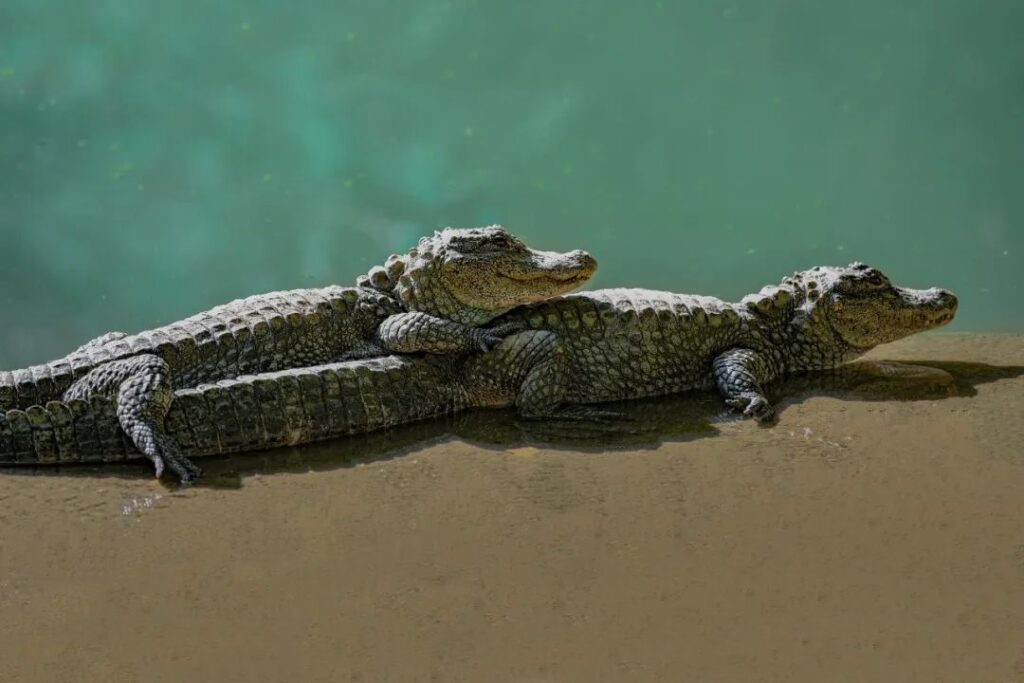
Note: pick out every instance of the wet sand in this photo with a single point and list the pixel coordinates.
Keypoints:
(874, 534)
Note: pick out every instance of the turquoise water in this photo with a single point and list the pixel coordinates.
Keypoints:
(160, 158)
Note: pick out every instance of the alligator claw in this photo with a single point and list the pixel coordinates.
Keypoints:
(186, 472)
(756, 407)
(169, 457)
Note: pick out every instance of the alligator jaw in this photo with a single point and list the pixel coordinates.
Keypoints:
(893, 315)
(517, 279)
(925, 309)
(572, 267)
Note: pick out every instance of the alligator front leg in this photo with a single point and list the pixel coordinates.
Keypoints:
(142, 387)
(421, 332)
(530, 371)
(739, 374)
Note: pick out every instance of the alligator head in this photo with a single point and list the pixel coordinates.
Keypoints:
(474, 275)
(856, 307)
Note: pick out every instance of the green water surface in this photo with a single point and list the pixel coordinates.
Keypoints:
(158, 158)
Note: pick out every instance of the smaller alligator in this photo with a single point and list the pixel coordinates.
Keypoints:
(592, 347)
(433, 299)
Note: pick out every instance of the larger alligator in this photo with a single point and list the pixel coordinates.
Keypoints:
(578, 349)
(432, 299)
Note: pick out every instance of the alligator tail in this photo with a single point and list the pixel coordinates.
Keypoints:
(36, 385)
(305, 405)
(8, 391)
(63, 432)
(283, 408)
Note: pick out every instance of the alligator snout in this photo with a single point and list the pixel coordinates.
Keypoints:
(570, 266)
(583, 264)
(946, 303)
(947, 299)
(934, 307)
(942, 301)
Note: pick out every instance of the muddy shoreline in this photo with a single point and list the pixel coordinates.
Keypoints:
(875, 533)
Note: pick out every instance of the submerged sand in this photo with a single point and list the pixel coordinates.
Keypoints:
(875, 534)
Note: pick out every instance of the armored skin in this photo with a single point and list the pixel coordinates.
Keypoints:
(432, 299)
(619, 344)
(578, 349)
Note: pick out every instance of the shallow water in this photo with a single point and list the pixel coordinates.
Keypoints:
(875, 533)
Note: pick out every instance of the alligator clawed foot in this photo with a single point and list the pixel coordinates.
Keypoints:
(168, 455)
(756, 407)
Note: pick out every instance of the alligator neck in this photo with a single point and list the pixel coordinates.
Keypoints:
(420, 289)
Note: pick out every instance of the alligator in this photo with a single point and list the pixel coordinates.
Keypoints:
(436, 298)
(574, 350)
